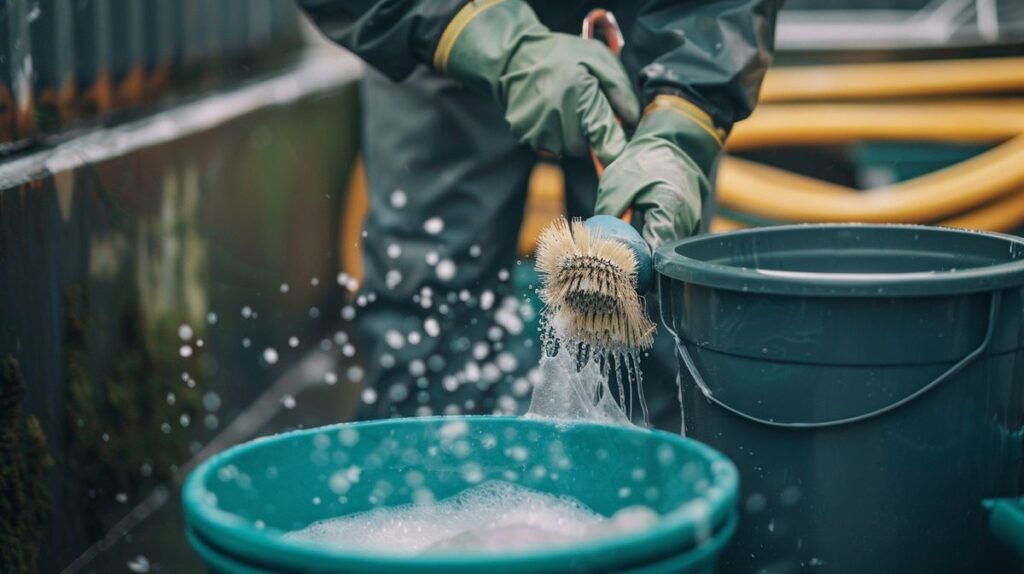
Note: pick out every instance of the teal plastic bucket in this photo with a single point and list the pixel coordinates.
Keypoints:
(868, 381)
(237, 504)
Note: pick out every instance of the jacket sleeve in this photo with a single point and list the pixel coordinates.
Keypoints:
(713, 53)
(393, 36)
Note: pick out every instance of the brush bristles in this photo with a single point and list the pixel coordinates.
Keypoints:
(589, 285)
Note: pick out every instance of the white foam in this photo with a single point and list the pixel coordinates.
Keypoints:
(492, 517)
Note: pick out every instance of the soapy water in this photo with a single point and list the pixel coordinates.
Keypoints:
(492, 517)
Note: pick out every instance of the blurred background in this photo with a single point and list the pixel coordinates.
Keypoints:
(181, 201)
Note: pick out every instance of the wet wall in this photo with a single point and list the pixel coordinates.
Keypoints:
(141, 283)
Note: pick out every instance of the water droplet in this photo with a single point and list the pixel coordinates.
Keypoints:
(417, 368)
(434, 225)
(503, 275)
(293, 342)
(211, 401)
(348, 312)
(394, 251)
(288, 402)
(171, 399)
(185, 420)
(185, 351)
(246, 342)
(185, 332)
(247, 312)
(211, 318)
(270, 355)
(445, 270)
(394, 339)
(398, 392)
(432, 258)
(431, 327)
(314, 281)
(398, 199)
(330, 378)
(368, 396)
(474, 251)
(139, 564)
(121, 497)
(392, 278)
(355, 374)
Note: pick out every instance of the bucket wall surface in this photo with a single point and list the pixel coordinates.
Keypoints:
(870, 410)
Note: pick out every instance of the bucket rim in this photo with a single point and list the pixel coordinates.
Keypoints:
(236, 534)
(670, 263)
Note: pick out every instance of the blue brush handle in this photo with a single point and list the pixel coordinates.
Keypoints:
(615, 228)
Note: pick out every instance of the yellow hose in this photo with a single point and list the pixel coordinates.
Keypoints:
(894, 79)
(793, 124)
(1005, 215)
(767, 193)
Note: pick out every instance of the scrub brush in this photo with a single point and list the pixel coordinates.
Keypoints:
(593, 274)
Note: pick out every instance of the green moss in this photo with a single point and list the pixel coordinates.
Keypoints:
(24, 460)
(114, 421)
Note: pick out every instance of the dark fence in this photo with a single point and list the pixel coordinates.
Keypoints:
(68, 64)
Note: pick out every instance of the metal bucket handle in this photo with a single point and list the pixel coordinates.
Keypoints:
(995, 299)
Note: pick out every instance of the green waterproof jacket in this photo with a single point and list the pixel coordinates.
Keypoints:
(713, 53)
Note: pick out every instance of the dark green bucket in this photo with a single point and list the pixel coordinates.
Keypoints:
(868, 381)
(238, 503)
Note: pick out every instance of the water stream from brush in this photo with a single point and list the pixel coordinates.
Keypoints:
(577, 378)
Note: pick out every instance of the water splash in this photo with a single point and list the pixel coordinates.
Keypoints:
(576, 381)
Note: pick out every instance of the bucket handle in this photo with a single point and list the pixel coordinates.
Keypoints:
(995, 298)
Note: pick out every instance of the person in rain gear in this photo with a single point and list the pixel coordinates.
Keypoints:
(461, 100)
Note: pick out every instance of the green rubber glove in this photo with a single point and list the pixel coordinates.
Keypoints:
(560, 92)
(663, 172)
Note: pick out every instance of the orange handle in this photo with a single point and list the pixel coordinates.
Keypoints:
(603, 20)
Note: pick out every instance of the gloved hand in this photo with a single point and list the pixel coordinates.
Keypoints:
(663, 173)
(560, 92)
